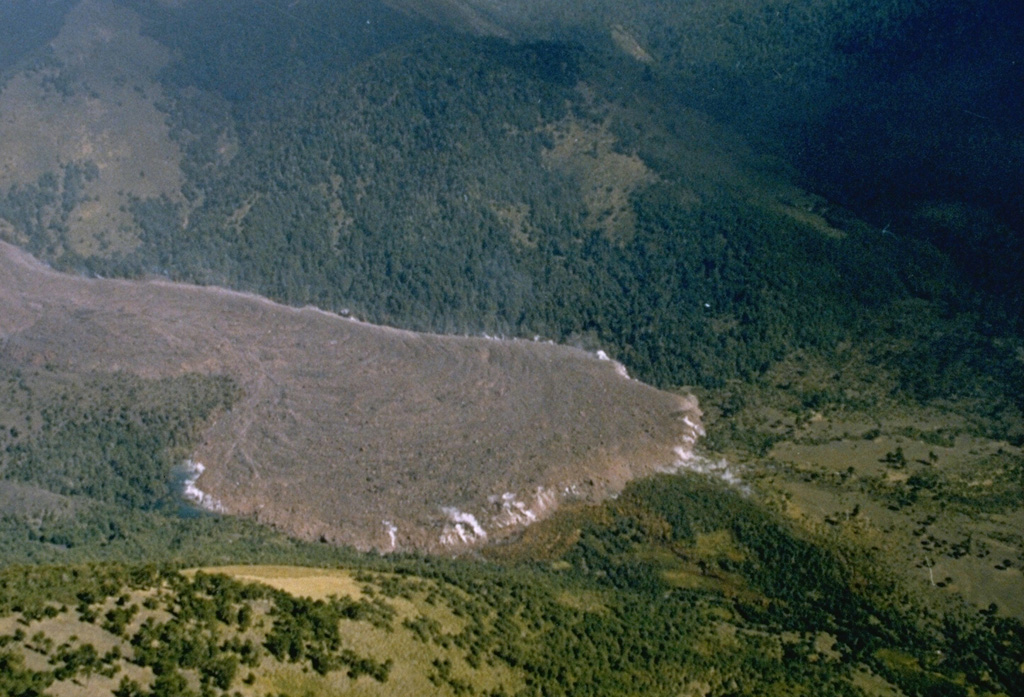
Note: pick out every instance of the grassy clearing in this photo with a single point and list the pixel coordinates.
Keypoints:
(949, 514)
(933, 485)
(317, 584)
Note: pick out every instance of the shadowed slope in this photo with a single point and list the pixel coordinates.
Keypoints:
(355, 433)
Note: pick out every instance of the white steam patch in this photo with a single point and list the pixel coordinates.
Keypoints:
(509, 510)
(513, 512)
(194, 493)
(462, 529)
(688, 461)
(619, 368)
(392, 530)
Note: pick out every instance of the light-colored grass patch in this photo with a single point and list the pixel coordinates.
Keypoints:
(317, 584)
(874, 685)
(294, 682)
(717, 544)
(607, 177)
(585, 601)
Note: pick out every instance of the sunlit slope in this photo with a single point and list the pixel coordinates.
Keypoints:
(679, 586)
(355, 433)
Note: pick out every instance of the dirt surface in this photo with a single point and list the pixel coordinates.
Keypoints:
(354, 433)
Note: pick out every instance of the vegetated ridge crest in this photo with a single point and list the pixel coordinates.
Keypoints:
(359, 434)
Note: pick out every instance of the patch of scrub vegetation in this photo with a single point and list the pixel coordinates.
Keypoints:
(41, 211)
(773, 609)
(200, 632)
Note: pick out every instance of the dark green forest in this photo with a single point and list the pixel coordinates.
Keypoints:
(375, 153)
(26, 27)
(370, 172)
(91, 460)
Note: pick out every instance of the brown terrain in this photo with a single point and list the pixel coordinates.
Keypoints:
(359, 434)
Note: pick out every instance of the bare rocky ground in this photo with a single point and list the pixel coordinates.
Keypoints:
(358, 434)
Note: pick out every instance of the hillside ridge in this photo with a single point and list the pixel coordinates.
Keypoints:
(352, 433)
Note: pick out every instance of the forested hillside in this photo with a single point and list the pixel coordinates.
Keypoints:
(359, 160)
(88, 463)
(677, 586)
